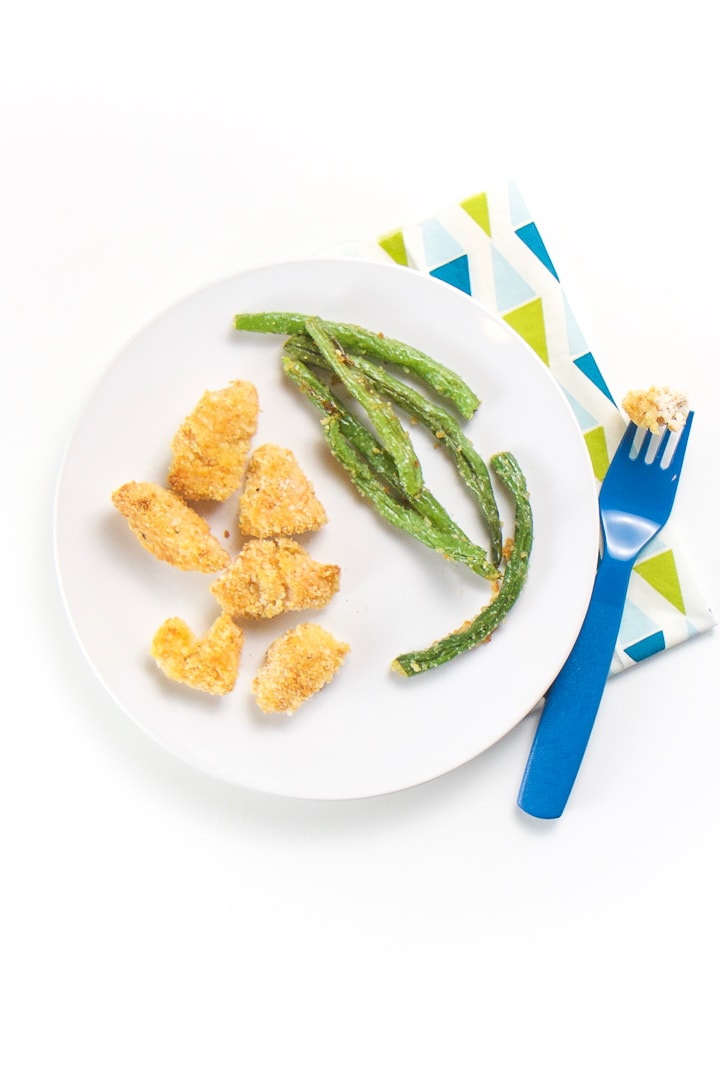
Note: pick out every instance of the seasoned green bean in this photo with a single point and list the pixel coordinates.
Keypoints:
(400, 515)
(358, 340)
(362, 440)
(392, 434)
(515, 575)
(437, 420)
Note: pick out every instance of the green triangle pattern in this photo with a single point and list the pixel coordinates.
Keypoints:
(597, 449)
(477, 208)
(661, 572)
(394, 244)
(529, 322)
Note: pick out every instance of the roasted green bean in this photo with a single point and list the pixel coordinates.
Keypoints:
(399, 514)
(425, 505)
(364, 342)
(392, 434)
(439, 423)
(514, 577)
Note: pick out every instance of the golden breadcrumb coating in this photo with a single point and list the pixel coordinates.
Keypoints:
(168, 529)
(272, 576)
(278, 499)
(296, 666)
(209, 663)
(657, 407)
(211, 446)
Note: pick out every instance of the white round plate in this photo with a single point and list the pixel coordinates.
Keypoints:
(371, 731)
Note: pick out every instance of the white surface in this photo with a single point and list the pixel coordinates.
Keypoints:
(157, 923)
(371, 732)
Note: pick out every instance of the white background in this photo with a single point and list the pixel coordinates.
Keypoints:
(156, 923)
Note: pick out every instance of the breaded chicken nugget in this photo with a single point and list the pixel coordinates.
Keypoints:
(278, 499)
(168, 529)
(657, 407)
(296, 666)
(209, 663)
(211, 446)
(272, 576)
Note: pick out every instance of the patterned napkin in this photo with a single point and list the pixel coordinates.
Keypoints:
(490, 247)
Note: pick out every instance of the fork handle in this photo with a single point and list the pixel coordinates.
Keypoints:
(572, 701)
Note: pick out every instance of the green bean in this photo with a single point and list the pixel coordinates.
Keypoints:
(392, 434)
(402, 516)
(483, 625)
(385, 469)
(438, 421)
(358, 340)
(362, 440)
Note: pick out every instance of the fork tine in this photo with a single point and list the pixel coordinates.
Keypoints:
(679, 451)
(625, 444)
(664, 441)
(644, 445)
(661, 447)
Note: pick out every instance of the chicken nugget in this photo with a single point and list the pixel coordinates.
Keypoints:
(657, 407)
(211, 446)
(278, 499)
(168, 529)
(209, 663)
(296, 666)
(272, 576)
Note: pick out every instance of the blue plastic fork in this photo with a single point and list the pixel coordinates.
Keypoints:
(636, 499)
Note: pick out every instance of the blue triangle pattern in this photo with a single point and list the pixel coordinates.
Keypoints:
(531, 238)
(577, 345)
(636, 624)
(511, 290)
(456, 272)
(656, 546)
(584, 418)
(440, 245)
(589, 368)
(647, 647)
(519, 213)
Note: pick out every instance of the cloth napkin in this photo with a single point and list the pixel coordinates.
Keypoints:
(489, 246)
